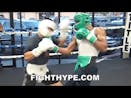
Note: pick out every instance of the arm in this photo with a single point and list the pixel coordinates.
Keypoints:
(101, 42)
(27, 51)
(84, 33)
(43, 46)
(28, 56)
(70, 47)
(99, 39)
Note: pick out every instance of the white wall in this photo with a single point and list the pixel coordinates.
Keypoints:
(28, 15)
(69, 14)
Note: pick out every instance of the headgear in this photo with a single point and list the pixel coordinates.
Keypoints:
(82, 20)
(43, 27)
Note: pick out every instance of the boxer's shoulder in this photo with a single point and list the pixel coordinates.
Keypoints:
(100, 31)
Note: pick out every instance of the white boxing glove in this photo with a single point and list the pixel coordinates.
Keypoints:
(44, 45)
(63, 36)
(63, 27)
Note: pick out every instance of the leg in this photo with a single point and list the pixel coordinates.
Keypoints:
(28, 82)
(70, 83)
(52, 82)
(90, 69)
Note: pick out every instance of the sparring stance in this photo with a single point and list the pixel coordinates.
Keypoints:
(37, 65)
(90, 42)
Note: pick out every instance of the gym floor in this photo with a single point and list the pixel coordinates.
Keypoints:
(115, 72)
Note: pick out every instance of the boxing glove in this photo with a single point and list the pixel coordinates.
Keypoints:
(45, 45)
(63, 28)
(83, 33)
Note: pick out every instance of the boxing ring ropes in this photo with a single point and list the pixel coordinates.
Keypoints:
(51, 54)
(125, 47)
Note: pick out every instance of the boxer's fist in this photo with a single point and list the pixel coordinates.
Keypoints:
(83, 33)
(44, 45)
(63, 28)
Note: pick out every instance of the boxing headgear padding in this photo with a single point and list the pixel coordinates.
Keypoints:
(81, 20)
(43, 27)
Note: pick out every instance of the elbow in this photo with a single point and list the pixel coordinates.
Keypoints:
(104, 49)
(26, 57)
(68, 53)
(65, 51)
